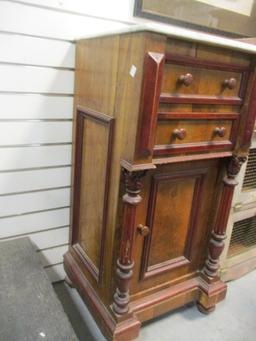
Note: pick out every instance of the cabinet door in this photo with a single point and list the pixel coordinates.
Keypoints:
(178, 208)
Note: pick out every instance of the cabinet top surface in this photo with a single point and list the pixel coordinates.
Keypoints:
(182, 33)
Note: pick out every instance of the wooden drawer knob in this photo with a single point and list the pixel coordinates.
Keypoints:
(186, 79)
(179, 133)
(230, 83)
(220, 131)
(143, 230)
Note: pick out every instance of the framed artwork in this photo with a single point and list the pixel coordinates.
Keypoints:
(235, 18)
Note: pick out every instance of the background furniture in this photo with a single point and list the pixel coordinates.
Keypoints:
(239, 255)
(162, 127)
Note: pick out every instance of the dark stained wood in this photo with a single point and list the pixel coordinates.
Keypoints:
(125, 262)
(153, 72)
(216, 244)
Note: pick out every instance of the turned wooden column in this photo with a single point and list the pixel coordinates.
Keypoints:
(125, 262)
(216, 244)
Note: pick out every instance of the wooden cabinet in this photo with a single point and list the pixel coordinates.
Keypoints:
(162, 127)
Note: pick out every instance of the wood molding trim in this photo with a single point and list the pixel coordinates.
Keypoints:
(151, 88)
(136, 167)
(197, 115)
(190, 147)
(200, 99)
(185, 158)
(82, 115)
(144, 308)
(203, 63)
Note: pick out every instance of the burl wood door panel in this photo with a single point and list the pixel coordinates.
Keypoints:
(177, 208)
(90, 200)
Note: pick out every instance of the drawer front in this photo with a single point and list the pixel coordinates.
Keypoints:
(189, 88)
(186, 79)
(174, 136)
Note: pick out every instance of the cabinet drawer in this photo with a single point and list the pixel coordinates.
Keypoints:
(192, 80)
(184, 79)
(174, 136)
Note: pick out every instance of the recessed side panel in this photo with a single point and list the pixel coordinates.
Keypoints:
(172, 216)
(93, 151)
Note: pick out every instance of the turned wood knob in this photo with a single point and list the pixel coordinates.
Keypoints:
(186, 79)
(179, 133)
(230, 83)
(220, 131)
(143, 230)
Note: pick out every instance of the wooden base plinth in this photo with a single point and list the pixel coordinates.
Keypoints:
(127, 327)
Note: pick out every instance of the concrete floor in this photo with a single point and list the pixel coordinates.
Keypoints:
(233, 320)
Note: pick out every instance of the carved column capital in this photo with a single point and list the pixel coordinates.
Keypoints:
(133, 186)
(233, 168)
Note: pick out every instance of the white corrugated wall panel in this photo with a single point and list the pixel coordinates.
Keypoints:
(29, 132)
(111, 9)
(36, 51)
(37, 58)
(42, 22)
(34, 79)
(34, 157)
(53, 255)
(55, 272)
(34, 222)
(35, 201)
(48, 239)
(34, 180)
(35, 106)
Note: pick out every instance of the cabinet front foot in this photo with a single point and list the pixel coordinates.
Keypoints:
(127, 330)
(114, 327)
(210, 294)
(205, 310)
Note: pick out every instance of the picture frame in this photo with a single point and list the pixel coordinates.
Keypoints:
(231, 18)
